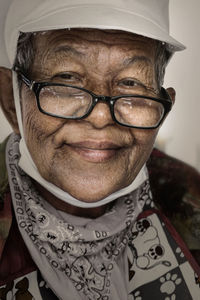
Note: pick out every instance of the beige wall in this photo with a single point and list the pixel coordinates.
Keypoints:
(180, 134)
(181, 131)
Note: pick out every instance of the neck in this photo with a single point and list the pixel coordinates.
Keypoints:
(58, 204)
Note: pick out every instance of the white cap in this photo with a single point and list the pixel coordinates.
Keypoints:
(149, 18)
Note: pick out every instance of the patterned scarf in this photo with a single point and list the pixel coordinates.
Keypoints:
(89, 252)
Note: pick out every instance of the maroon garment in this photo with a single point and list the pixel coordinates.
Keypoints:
(15, 259)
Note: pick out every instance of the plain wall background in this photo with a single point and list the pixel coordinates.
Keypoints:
(181, 131)
(179, 135)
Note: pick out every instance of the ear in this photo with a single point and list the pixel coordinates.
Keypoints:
(7, 98)
(172, 93)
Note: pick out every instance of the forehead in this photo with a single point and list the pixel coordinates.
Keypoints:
(83, 41)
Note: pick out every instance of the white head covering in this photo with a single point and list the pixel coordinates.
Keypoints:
(145, 17)
(149, 18)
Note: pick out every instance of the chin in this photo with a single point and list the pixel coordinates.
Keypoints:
(91, 192)
(89, 196)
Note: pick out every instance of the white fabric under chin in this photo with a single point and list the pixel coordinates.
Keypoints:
(27, 164)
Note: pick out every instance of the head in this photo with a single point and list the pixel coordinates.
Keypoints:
(92, 157)
(78, 155)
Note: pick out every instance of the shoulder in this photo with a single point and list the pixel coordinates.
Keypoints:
(15, 259)
(5, 200)
(3, 171)
(173, 182)
(176, 191)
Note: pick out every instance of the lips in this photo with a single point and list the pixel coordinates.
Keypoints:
(94, 151)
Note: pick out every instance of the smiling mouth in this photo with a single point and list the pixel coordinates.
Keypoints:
(96, 152)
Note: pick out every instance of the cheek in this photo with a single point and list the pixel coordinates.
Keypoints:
(35, 122)
(143, 144)
(145, 137)
(29, 113)
(37, 127)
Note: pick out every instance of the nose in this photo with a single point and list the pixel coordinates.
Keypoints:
(100, 116)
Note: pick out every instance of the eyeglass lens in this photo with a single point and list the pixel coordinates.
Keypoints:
(65, 101)
(139, 112)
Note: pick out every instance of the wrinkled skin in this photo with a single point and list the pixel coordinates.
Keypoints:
(93, 157)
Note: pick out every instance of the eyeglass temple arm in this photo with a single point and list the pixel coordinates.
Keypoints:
(29, 83)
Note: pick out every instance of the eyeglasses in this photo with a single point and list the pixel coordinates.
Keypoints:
(75, 103)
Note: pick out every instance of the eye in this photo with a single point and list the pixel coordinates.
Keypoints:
(131, 85)
(63, 76)
(69, 77)
(129, 82)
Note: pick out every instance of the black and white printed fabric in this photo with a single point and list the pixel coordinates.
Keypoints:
(130, 252)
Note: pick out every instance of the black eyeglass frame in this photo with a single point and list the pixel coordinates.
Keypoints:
(37, 86)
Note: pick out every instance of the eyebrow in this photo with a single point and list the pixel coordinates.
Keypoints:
(67, 49)
(135, 59)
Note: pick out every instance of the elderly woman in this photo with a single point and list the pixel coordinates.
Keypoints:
(85, 101)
